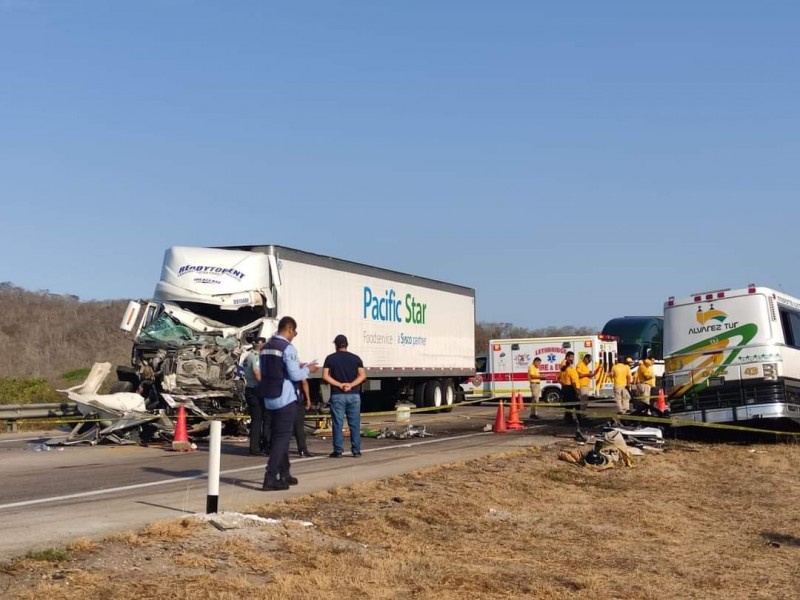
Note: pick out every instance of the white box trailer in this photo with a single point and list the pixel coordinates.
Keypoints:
(507, 362)
(414, 334)
(733, 356)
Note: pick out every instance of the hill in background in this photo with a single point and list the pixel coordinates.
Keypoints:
(51, 341)
(45, 336)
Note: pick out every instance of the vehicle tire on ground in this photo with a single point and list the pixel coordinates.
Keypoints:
(237, 427)
(121, 386)
(551, 395)
(448, 395)
(419, 394)
(433, 393)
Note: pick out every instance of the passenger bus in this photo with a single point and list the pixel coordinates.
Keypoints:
(733, 356)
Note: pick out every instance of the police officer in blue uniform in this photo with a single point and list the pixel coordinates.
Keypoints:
(280, 371)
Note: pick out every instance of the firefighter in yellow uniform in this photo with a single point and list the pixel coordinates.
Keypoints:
(621, 375)
(645, 382)
(535, 381)
(570, 387)
(585, 374)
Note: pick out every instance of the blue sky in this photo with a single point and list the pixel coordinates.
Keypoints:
(571, 161)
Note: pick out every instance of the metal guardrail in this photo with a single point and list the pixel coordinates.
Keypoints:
(14, 412)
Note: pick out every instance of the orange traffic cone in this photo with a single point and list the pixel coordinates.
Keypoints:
(661, 403)
(500, 419)
(514, 421)
(180, 440)
(520, 403)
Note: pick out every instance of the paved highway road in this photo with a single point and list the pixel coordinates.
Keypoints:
(49, 498)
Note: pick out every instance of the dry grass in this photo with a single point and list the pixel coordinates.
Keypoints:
(721, 522)
(170, 531)
(160, 531)
(130, 538)
(82, 545)
(44, 335)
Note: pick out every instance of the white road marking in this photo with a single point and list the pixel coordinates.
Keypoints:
(137, 486)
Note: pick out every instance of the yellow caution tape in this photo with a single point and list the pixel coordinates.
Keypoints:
(568, 408)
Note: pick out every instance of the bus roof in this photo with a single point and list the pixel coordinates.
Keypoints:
(631, 327)
(716, 295)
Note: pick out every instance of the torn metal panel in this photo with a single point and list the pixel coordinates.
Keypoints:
(121, 418)
(97, 375)
(186, 354)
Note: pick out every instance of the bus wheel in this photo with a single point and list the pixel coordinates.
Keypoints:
(448, 395)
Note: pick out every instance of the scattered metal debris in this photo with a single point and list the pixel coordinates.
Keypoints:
(410, 431)
(121, 417)
(609, 451)
(646, 438)
(41, 447)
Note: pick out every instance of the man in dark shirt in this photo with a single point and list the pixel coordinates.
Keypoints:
(344, 372)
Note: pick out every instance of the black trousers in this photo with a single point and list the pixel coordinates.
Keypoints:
(259, 422)
(300, 427)
(570, 397)
(281, 427)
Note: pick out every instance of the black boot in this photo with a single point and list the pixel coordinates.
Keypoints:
(272, 484)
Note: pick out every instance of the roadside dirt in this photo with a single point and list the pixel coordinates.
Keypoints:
(698, 521)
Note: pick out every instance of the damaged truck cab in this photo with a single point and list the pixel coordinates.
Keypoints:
(415, 335)
(190, 339)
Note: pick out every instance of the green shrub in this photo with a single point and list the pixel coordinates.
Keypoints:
(48, 555)
(28, 391)
(76, 375)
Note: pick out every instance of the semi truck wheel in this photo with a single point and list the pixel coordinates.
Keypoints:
(448, 395)
(433, 393)
(419, 394)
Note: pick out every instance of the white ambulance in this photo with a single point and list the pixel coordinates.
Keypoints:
(733, 355)
(507, 362)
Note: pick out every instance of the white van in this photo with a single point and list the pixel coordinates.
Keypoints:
(507, 361)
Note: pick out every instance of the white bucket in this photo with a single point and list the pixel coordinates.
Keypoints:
(403, 415)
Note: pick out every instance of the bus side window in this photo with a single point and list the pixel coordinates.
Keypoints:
(657, 351)
(790, 321)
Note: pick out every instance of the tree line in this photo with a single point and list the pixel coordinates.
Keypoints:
(494, 331)
(48, 336)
